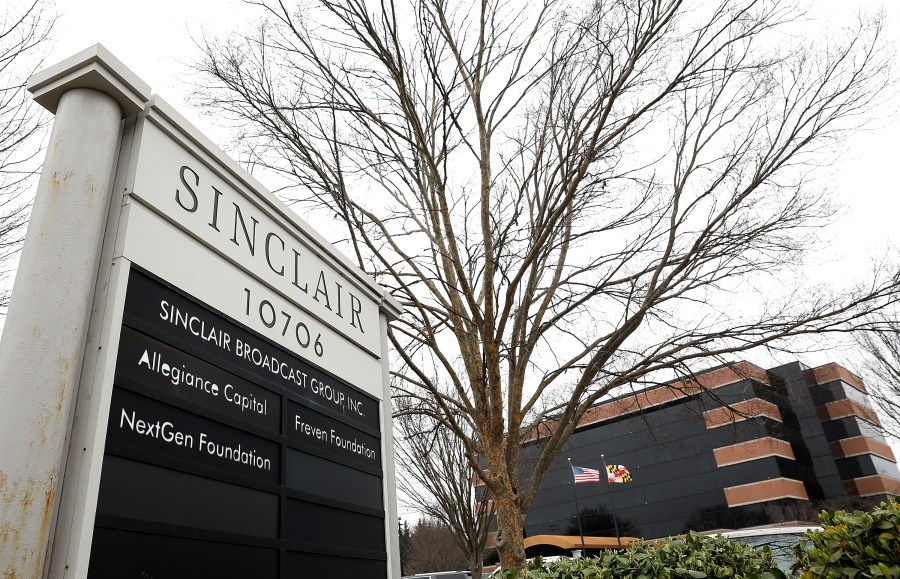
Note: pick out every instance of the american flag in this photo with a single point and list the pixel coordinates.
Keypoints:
(583, 475)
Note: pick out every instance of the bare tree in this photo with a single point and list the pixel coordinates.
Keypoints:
(432, 547)
(404, 548)
(24, 35)
(567, 197)
(881, 367)
(435, 477)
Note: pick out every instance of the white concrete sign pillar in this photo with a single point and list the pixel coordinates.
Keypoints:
(46, 324)
(193, 382)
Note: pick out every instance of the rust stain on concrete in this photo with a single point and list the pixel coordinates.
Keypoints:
(45, 522)
(25, 559)
(28, 504)
(91, 189)
(26, 498)
(63, 365)
(56, 181)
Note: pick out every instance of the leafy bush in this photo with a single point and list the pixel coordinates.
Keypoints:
(693, 556)
(858, 545)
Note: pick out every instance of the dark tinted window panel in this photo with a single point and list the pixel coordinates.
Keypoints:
(736, 391)
(855, 395)
(152, 366)
(775, 392)
(866, 465)
(849, 427)
(119, 554)
(855, 467)
(314, 565)
(323, 525)
(771, 467)
(766, 513)
(885, 467)
(324, 478)
(143, 492)
(654, 504)
(738, 432)
(869, 429)
(825, 393)
(838, 390)
(841, 428)
(144, 423)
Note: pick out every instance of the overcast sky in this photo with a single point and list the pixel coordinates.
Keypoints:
(156, 40)
(157, 43)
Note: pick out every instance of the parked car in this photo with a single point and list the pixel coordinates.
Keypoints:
(780, 540)
(548, 559)
(441, 575)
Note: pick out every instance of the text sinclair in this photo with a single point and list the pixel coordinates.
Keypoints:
(282, 258)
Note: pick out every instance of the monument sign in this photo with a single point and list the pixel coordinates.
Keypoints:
(194, 382)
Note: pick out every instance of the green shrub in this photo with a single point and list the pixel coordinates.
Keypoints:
(693, 556)
(856, 545)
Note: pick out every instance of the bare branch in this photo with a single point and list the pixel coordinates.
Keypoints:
(24, 32)
(566, 198)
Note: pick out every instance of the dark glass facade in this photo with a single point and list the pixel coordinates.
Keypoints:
(737, 447)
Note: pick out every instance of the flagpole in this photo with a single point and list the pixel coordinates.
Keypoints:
(611, 505)
(577, 513)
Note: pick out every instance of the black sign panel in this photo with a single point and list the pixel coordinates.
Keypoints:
(148, 363)
(333, 527)
(316, 565)
(145, 492)
(128, 554)
(152, 307)
(317, 476)
(150, 425)
(229, 456)
(320, 431)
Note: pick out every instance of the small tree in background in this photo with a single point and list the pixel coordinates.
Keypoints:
(24, 38)
(433, 548)
(435, 478)
(404, 548)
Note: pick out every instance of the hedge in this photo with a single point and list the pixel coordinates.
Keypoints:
(857, 545)
(692, 556)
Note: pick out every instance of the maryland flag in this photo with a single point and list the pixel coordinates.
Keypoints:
(616, 473)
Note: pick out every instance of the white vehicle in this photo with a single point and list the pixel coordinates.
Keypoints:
(780, 540)
(441, 575)
(548, 559)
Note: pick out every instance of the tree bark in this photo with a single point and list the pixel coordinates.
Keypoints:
(511, 535)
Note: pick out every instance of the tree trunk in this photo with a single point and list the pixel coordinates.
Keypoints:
(511, 526)
(475, 566)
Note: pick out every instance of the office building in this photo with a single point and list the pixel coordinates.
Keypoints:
(736, 446)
